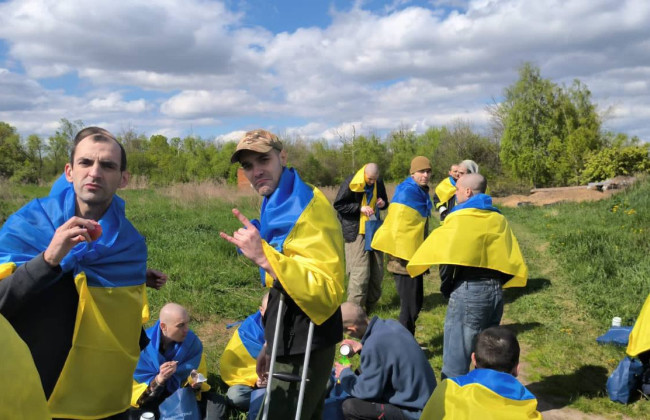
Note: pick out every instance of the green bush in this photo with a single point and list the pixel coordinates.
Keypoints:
(610, 162)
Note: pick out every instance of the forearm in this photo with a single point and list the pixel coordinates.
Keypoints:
(27, 280)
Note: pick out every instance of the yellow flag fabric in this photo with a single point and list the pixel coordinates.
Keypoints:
(640, 335)
(358, 184)
(104, 352)
(401, 233)
(21, 393)
(474, 238)
(6, 269)
(237, 367)
(451, 401)
(445, 191)
(311, 267)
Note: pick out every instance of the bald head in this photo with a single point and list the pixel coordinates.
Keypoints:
(174, 322)
(371, 173)
(470, 185)
(355, 320)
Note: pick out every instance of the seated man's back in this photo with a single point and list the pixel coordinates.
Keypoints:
(491, 391)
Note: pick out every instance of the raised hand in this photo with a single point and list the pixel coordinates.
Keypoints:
(249, 241)
(66, 237)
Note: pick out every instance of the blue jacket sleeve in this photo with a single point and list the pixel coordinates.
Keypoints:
(370, 383)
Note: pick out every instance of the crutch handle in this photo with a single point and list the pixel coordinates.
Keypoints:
(288, 377)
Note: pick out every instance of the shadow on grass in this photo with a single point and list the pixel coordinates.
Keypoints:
(518, 328)
(434, 346)
(533, 286)
(557, 391)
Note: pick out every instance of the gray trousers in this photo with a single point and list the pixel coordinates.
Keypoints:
(365, 271)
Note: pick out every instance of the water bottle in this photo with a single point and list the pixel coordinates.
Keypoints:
(147, 415)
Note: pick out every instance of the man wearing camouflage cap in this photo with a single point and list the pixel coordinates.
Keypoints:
(298, 246)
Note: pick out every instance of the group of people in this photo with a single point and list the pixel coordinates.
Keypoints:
(73, 298)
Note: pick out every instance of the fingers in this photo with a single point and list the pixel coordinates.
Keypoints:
(243, 219)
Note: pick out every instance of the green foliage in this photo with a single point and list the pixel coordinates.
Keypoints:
(612, 161)
(548, 131)
(12, 154)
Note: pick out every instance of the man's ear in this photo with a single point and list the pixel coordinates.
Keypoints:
(283, 157)
(515, 371)
(126, 176)
(474, 359)
(68, 172)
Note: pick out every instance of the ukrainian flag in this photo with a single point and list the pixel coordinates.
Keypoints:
(188, 354)
(481, 394)
(239, 360)
(21, 392)
(403, 229)
(358, 184)
(445, 190)
(302, 239)
(640, 335)
(109, 275)
(474, 234)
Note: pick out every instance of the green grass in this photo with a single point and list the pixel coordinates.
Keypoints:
(587, 264)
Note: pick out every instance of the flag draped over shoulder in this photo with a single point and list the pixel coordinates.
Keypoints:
(403, 229)
(481, 394)
(239, 360)
(21, 392)
(640, 335)
(358, 184)
(109, 275)
(474, 234)
(188, 354)
(445, 190)
(303, 242)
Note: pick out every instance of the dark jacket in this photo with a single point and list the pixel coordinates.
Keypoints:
(41, 303)
(348, 207)
(453, 275)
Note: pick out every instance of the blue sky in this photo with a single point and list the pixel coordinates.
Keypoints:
(310, 68)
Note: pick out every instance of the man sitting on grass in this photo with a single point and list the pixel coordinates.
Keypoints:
(490, 391)
(173, 359)
(396, 378)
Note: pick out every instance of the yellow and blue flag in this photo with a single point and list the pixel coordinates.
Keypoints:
(474, 234)
(358, 184)
(303, 242)
(445, 190)
(403, 229)
(481, 394)
(640, 335)
(188, 354)
(109, 275)
(238, 365)
(21, 392)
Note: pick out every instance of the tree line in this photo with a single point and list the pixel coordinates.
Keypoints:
(541, 134)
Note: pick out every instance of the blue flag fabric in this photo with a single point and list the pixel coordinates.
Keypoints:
(110, 261)
(187, 354)
(452, 181)
(282, 209)
(479, 201)
(410, 194)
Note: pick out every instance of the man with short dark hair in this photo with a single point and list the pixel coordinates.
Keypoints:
(298, 246)
(491, 391)
(359, 200)
(444, 196)
(404, 229)
(478, 255)
(396, 378)
(74, 273)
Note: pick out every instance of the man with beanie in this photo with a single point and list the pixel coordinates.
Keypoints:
(298, 246)
(403, 231)
(359, 200)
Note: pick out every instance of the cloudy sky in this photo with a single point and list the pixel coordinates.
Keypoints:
(312, 68)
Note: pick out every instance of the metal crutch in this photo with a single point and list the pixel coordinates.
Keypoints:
(288, 377)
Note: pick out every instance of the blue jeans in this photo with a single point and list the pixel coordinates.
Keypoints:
(473, 307)
(239, 396)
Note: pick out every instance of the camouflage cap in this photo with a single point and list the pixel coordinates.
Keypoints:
(260, 141)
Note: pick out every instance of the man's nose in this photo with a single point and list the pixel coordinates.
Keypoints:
(95, 169)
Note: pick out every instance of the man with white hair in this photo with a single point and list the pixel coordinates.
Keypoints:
(359, 200)
(478, 255)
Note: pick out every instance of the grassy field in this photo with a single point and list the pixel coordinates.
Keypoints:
(588, 262)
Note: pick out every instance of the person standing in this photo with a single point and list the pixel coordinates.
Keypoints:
(298, 246)
(403, 231)
(359, 199)
(75, 273)
(478, 255)
(444, 196)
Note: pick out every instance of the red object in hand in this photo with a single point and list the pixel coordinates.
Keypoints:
(95, 233)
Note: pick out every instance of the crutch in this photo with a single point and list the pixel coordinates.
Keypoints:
(288, 377)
